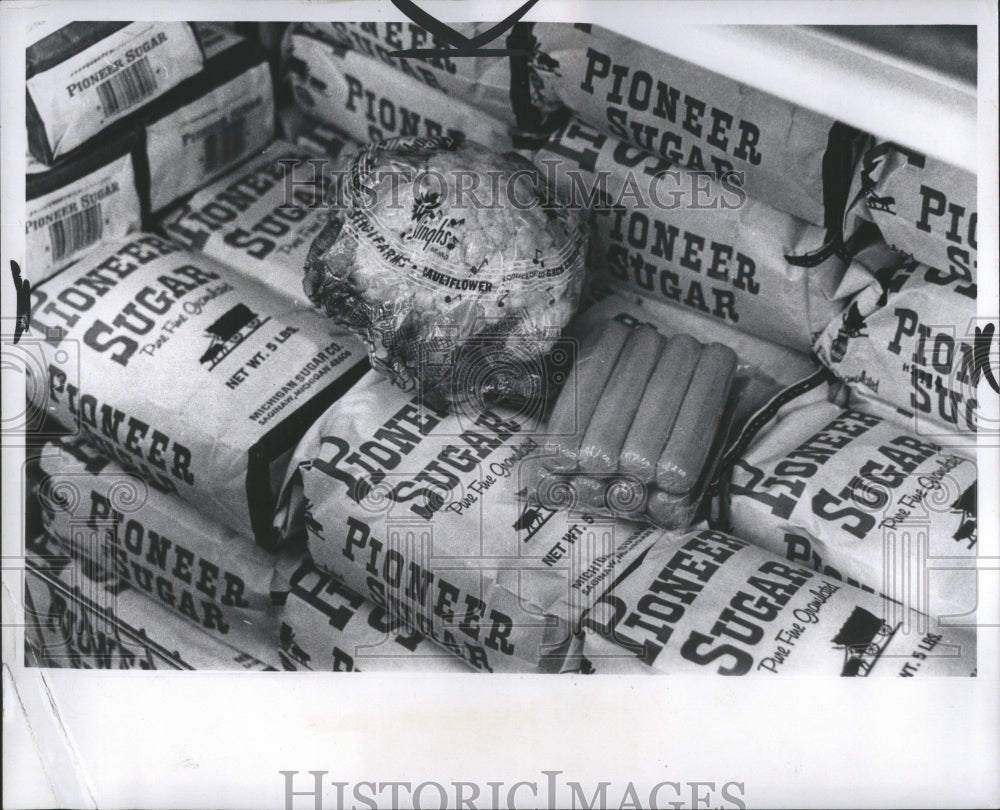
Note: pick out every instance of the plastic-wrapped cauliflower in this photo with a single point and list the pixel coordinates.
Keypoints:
(457, 266)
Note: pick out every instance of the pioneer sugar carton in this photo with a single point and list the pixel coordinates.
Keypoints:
(261, 218)
(73, 207)
(188, 372)
(708, 603)
(84, 76)
(190, 565)
(684, 237)
(328, 627)
(424, 514)
(789, 157)
(212, 121)
(78, 617)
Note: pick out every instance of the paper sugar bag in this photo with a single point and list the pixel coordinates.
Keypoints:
(791, 158)
(80, 619)
(422, 513)
(708, 603)
(682, 237)
(183, 369)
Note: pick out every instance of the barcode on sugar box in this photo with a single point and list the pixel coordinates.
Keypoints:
(74, 209)
(198, 141)
(224, 142)
(127, 89)
(75, 232)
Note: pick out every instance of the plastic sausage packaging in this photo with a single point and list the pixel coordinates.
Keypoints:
(858, 498)
(633, 427)
(681, 237)
(708, 603)
(758, 358)
(197, 569)
(182, 369)
(328, 627)
(790, 158)
(77, 617)
(424, 514)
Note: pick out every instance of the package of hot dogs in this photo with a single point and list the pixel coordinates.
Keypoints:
(635, 425)
(708, 603)
(653, 396)
(78, 616)
(789, 157)
(684, 237)
(327, 627)
(186, 371)
(424, 513)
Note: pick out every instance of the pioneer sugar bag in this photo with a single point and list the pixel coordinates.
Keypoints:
(924, 207)
(328, 627)
(76, 205)
(858, 498)
(708, 603)
(682, 237)
(789, 157)
(371, 101)
(261, 218)
(911, 339)
(194, 375)
(424, 514)
(78, 617)
(213, 121)
(190, 565)
(502, 87)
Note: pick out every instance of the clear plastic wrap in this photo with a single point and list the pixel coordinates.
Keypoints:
(457, 266)
(633, 430)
